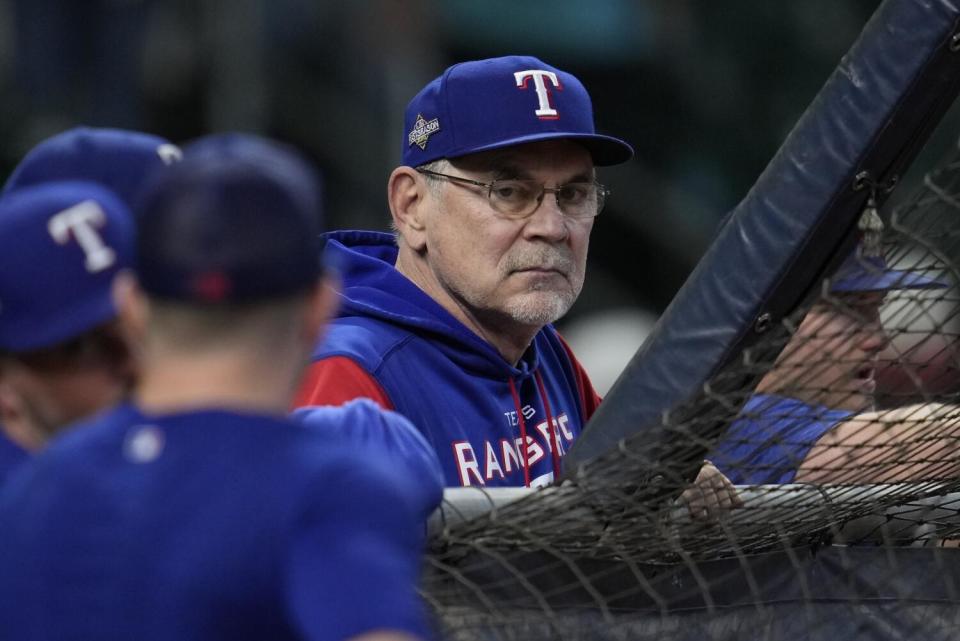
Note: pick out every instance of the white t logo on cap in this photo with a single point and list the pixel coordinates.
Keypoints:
(545, 110)
(169, 153)
(80, 222)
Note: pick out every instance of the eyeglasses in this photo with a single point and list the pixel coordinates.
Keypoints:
(518, 199)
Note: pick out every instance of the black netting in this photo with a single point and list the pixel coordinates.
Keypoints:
(813, 357)
(847, 454)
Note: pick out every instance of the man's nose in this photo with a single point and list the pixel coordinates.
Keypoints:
(548, 221)
(874, 337)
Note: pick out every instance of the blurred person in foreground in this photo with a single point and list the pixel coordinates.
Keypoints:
(197, 510)
(449, 320)
(813, 417)
(63, 357)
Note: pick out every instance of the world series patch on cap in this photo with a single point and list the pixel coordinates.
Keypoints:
(61, 243)
(237, 220)
(488, 104)
(114, 158)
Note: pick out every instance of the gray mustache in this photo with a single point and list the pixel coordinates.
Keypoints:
(547, 259)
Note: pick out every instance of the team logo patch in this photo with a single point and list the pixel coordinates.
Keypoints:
(545, 110)
(422, 130)
(80, 223)
(144, 443)
(169, 154)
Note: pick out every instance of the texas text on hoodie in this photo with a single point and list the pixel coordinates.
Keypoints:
(491, 423)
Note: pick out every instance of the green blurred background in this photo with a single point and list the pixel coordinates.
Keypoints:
(705, 90)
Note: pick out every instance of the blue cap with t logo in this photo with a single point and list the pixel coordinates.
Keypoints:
(61, 243)
(488, 104)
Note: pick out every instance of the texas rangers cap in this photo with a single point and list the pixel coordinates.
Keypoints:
(61, 243)
(115, 158)
(237, 220)
(488, 104)
(861, 273)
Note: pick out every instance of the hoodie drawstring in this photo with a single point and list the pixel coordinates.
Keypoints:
(523, 433)
(551, 428)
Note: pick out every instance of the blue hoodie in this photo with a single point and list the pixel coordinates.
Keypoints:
(395, 344)
(11, 455)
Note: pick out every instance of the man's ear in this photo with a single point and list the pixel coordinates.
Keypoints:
(406, 194)
(15, 420)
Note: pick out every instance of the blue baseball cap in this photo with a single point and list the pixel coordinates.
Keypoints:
(61, 243)
(488, 104)
(237, 220)
(115, 158)
(861, 273)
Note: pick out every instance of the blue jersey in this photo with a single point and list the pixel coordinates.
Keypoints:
(208, 525)
(770, 439)
(490, 422)
(11, 455)
(383, 431)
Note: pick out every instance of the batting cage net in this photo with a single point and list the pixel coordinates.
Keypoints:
(847, 458)
(839, 422)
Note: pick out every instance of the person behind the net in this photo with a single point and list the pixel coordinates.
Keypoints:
(812, 417)
(197, 510)
(64, 358)
(449, 320)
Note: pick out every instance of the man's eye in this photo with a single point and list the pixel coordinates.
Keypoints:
(511, 191)
(575, 193)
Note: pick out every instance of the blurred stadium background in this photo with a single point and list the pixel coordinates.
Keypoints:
(705, 91)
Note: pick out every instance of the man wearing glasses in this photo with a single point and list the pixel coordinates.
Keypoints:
(449, 321)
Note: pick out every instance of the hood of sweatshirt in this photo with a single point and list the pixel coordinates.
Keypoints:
(372, 287)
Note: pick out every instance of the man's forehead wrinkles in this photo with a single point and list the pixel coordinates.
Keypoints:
(510, 169)
(554, 154)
